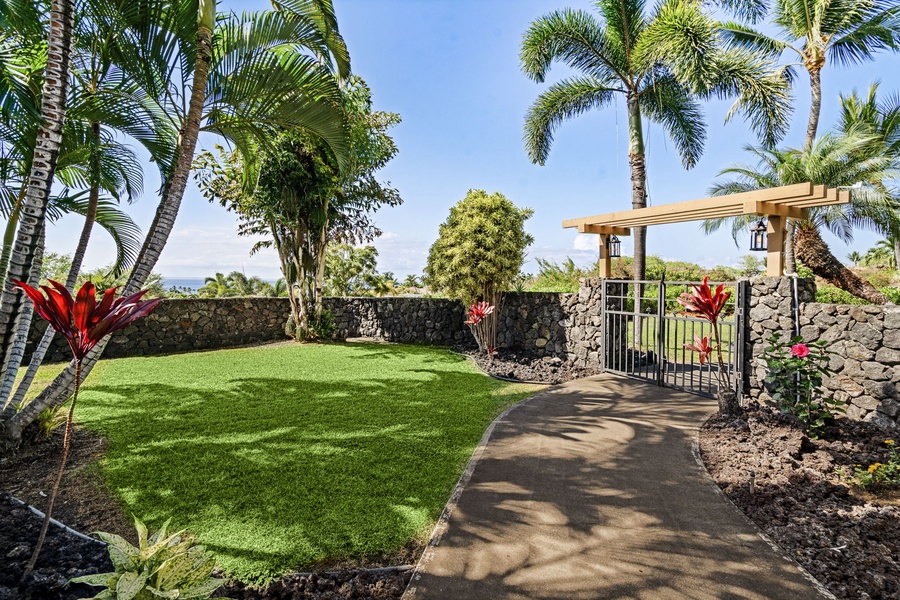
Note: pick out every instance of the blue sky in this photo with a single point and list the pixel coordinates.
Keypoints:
(450, 69)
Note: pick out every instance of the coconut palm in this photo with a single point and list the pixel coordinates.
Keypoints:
(855, 257)
(880, 118)
(662, 63)
(242, 84)
(836, 160)
(813, 32)
(881, 255)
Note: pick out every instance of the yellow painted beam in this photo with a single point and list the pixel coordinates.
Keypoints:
(604, 229)
(756, 207)
(775, 254)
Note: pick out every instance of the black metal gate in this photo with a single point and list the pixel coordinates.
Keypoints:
(645, 330)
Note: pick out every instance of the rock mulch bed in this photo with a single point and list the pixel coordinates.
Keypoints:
(65, 556)
(519, 367)
(799, 492)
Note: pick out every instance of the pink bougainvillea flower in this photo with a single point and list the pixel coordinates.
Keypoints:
(705, 302)
(702, 347)
(82, 320)
(478, 311)
(800, 350)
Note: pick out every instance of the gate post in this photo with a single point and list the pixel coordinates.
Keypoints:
(661, 333)
(603, 317)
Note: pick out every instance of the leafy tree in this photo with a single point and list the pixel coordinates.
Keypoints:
(304, 202)
(557, 277)
(751, 266)
(350, 271)
(479, 251)
(662, 62)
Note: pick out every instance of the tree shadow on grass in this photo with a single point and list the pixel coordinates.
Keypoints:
(275, 474)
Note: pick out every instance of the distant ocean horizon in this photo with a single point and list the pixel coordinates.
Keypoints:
(191, 283)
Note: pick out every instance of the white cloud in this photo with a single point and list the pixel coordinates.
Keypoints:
(585, 242)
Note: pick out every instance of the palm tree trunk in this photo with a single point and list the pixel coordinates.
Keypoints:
(62, 386)
(815, 107)
(40, 180)
(814, 253)
(638, 182)
(37, 357)
(9, 235)
(17, 348)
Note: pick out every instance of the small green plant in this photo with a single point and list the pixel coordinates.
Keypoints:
(161, 566)
(796, 370)
(47, 421)
(887, 473)
(323, 328)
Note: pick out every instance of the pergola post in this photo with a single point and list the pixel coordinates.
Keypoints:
(605, 262)
(775, 254)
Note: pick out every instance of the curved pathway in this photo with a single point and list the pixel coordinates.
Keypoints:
(592, 490)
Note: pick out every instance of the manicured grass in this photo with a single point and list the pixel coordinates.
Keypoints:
(279, 457)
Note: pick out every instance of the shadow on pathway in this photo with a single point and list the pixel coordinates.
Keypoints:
(591, 490)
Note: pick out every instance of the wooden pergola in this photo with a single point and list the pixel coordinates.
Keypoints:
(775, 204)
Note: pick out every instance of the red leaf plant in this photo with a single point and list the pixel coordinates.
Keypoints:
(480, 325)
(701, 346)
(705, 303)
(83, 322)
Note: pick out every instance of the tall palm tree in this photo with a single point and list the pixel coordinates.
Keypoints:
(836, 160)
(46, 150)
(251, 81)
(855, 257)
(880, 118)
(811, 33)
(662, 63)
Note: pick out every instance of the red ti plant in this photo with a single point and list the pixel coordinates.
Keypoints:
(83, 322)
(703, 302)
(478, 323)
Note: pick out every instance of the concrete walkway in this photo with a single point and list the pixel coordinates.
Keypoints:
(592, 490)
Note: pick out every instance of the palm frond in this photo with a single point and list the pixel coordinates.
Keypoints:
(563, 100)
(667, 102)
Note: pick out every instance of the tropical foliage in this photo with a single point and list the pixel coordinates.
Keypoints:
(304, 201)
(662, 62)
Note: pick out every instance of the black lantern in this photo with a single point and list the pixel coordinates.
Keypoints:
(758, 237)
(613, 246)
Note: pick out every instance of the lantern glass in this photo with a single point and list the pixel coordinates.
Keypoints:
(614, 246)
(759, 237)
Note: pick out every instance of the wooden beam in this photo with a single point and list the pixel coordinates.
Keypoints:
(678, 210)
(605, 262)
(775, 255)
(604, 229)
(757, 207)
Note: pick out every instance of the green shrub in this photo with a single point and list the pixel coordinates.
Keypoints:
(829, 294)
(324, 327)
(887, 473)
(159, 567)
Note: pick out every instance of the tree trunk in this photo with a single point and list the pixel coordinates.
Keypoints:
(40, 180)
(896, 242)
(62, 386)
(17, 350)
(37, 357)
(638, 182)
(814, 253)
(815, 107)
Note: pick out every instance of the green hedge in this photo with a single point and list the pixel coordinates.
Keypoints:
(829, 294)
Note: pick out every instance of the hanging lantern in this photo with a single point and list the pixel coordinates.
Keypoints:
(758, 237)
(613, 246)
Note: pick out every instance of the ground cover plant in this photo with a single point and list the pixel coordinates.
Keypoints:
(284, 457)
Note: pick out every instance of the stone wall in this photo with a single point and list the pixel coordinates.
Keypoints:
(182, 325)
(437, 321)
(864, 340)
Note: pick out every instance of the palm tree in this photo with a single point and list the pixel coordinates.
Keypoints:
(46, 150)
(881, 255)
(217, 286)
(253, 80)
(836, 160)
(878, 118)
(813, 32)
(855, 257)
(662, 63)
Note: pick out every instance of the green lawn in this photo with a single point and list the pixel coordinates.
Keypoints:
(279, 457)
